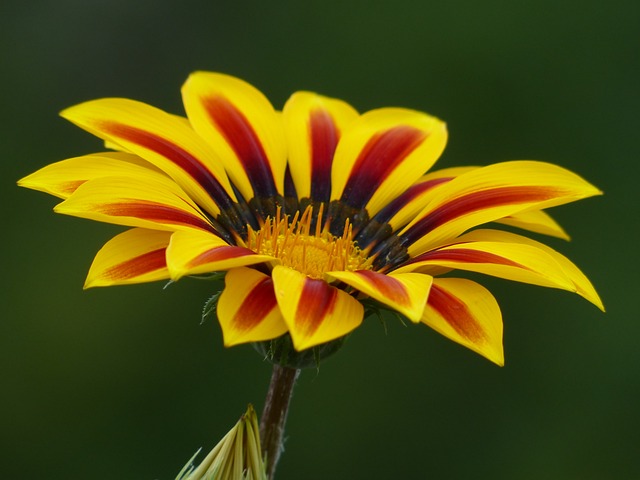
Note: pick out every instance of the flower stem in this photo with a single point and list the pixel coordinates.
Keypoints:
(274, 415)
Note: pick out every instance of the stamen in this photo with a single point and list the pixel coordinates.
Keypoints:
(291, 241)
(319, 219)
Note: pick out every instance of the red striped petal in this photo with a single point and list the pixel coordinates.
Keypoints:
(318, 301)
(240, 124)
(153, 212)
(380, 157)
(457, 314)
(406, 198)
(490, 193)
(138, 266)
(397, 213)
(196, 252)
(135, 256)
(554, 269)
(407, 293)
(314, 311)
(314, 125)
(477, 201)
(410, 203)
(150, 200)
(511, 260)
(166, 148)
(466, 313)
(463, 255)
(247, 309)
(164, 140)
(244, 141)
(381, 154)
(324, 135)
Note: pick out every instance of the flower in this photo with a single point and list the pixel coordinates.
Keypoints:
(311, 211)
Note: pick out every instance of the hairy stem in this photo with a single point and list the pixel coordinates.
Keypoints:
(274, 415)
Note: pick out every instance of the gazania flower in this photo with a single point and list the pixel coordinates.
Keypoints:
(311, 212)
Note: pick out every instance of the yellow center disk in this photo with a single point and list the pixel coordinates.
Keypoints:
(310, 252)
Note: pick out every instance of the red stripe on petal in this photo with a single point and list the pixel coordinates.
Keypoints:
(456, 314)
(153, 212)
(317, 300)
(464, 255)
(375, 231)
(219, 254)
(324, 136)
(411, 194)
(476, 201)
(379, 158)
(388, 286)
(256, 306)
(244, 141)
(183, 159)
(135, 267)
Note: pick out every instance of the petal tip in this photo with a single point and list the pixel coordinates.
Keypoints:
(69, 113)
(93, 281)
(496, 356)
(229, 340)
(597, 302)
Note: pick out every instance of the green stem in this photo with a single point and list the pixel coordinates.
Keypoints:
(274, 415)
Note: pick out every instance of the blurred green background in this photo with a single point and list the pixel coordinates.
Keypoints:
(124, 383)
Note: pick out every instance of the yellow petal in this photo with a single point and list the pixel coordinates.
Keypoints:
(135, 256)
(404, 208)
(466, 313)
(242, 127)
(163, 140)
(149, 200)
(314, 311)
(449, 173)
(537, 221)
(63, 178)
(247, 309)
(196, 252)
(581, 284)
(313, 126)
(382, 153)
(411, 202)
(513, 261)
(490, 193)
(405, 292)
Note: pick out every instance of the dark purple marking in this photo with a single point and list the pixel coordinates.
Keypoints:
(465, 255)
(324, 136)
(413, 192)
(382, 154)
(244, 141)
(475, 201)
(180, 157)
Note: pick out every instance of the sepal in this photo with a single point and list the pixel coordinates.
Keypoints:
(280, 351)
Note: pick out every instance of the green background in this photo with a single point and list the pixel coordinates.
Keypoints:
(124, 382)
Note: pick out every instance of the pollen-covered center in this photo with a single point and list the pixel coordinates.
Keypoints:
(310, 251)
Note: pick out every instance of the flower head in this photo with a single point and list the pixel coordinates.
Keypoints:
(310, 211)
